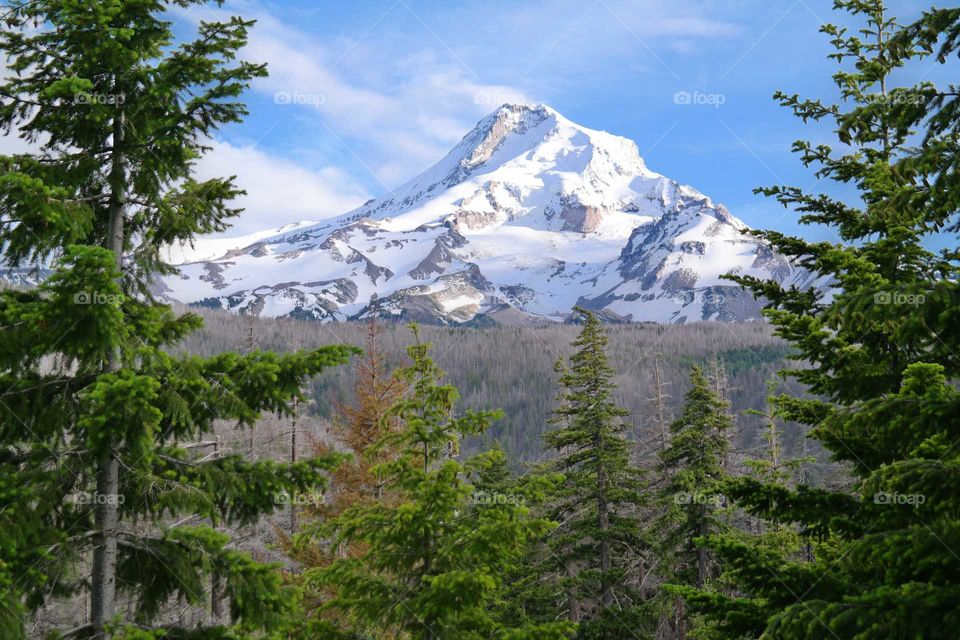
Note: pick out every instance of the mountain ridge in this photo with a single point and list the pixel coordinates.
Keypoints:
(528, 215)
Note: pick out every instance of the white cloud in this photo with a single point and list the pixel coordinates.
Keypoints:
(398, 95)
(279, 191)
(396, 98)
(396, 108)
(12, 144)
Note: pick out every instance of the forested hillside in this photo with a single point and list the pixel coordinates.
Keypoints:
(511, 368)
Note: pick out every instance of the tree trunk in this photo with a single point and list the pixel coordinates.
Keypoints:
(104, 577)
(216, 597)
(293, 459)
(106, 515)
(606, 596)
(603, 513)
(680, 615)
(661, 417)
(573, 596)
(701, 551)
(643, 573)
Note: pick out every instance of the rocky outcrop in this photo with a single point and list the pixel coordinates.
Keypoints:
(580, 218)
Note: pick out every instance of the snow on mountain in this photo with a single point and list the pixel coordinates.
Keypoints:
(529, 215)
(213, 248)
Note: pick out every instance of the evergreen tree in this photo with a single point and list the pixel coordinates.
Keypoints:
(358, 429)
(881, 353)
(96, 417)
(494, 477)
(598, 545)
(690, 498)
(527, 599)
(772, 466)
(434, 561)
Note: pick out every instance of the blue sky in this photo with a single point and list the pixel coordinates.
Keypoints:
(364, 95)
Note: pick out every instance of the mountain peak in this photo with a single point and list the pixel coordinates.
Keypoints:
(519, 107)
(518, 112)
(589, 173)
(528, 211)
(510, 120)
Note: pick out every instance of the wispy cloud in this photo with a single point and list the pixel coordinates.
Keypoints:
(397, 108)
(280, 190)
(393, 96)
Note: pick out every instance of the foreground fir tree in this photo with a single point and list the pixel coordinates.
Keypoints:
(882, 356)
(528, 599)
(102, 489)
(434, 560)
(597, 550)
(691, 501)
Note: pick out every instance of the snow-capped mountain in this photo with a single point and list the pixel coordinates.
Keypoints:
(529, 215)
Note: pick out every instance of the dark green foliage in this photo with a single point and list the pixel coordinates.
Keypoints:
(691, 502)
(101, 82)
(595, 555)
(693, 463)
(97, 419)
(435, 558)
(736, 361)
(881, 559)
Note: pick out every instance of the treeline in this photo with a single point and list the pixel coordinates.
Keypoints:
(512, 368)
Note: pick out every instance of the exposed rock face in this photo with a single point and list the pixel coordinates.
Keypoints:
(376, 273)
(486, 139)
(582, 218)
(213, 273)
(467, 221)
(682, 279)
(770, 261)
(693, 247)
(528, 215)
(435, 263)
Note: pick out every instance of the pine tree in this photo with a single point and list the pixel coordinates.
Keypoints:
(358, 429)
(93, 404)
(881, 353)
(527, 599)
(434, 561)
(690, 498)
(494, 477)
(772, 465)
(361, 426)
(598, 544)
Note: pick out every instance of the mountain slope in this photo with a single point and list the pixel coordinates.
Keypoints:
(527, 216)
